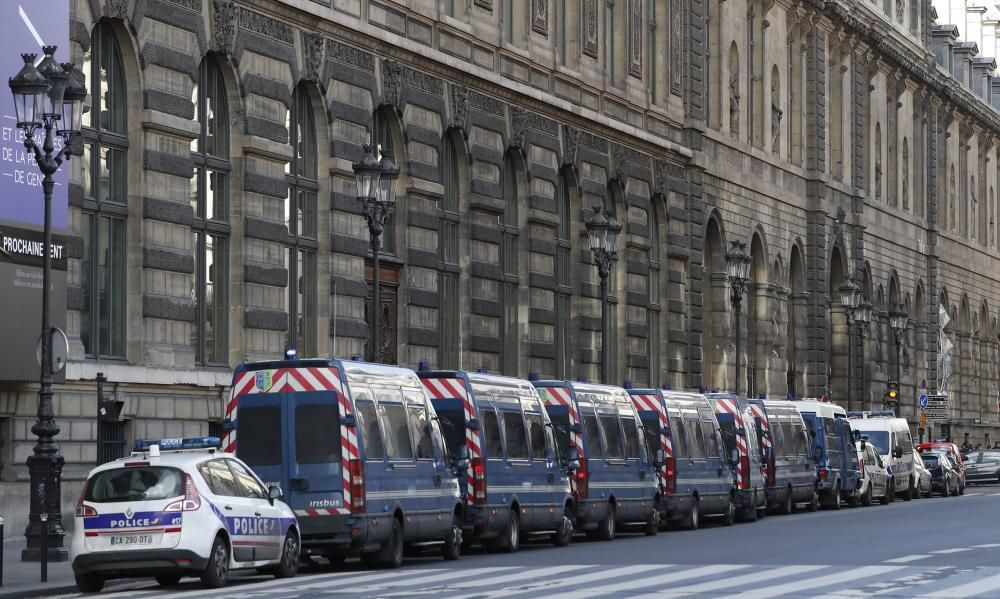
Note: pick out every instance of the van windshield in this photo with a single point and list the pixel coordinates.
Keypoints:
(727, 425)
(453, 427)
(560, 422)
(259, 435)
(879, 439)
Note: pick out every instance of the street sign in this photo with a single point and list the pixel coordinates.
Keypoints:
(923, 401)
(923, 419)
(937, 407)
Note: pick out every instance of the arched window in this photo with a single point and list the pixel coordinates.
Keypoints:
(564, 294)
(654, 291)
(448, 291)
(210, 205)
(509, 270)
(302, 177)
(105, 198)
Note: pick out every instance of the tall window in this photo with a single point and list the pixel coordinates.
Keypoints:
(564, 295)
(654, 291)
(300, 218)
(210, 204)
(105, 193)
(509, 270)
(448, 354)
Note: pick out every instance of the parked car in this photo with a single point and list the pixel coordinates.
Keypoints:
(512, 479)
(953, 451)
(921, 475)
(874, 476)
(788, 463)
(944, 478)
(837, 467)
(891, 436)
(982, 467)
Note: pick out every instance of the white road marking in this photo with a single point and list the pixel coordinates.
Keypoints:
(988, 583)
(987, 545)
(952, 550)
(641, 582)
(906, 559)
(716, 585)
(975, 494)
(849, 575)
(527, 575)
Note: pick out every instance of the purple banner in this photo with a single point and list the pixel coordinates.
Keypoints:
(26, 26)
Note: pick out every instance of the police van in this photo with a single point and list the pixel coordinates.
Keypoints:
(694, 478)
(514, 479)
(891, 437)
(838, 472)
(359, 450)
(733, 414)
(614, 481)
(175, 508)
(784, 446)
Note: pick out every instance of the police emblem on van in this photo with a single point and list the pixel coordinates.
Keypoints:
(264, 380)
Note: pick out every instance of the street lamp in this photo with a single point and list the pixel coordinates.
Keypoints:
(897, 321)
(604, 231)
(738, 269)
(46, 96)
(376, 181)
(850, 298)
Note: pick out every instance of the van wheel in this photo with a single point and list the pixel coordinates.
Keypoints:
(908, 494)
(691, 522)
(89, 583)
(452, 548)
(391, 553)
(168, 580)
(730, 515)
(606, 528)
(652, 523)
(961, 489)
(217, 571)
(565, 535)
(510, 538)
(854, 499)
(947, 488)
(751, 513)
(891, 491)
(866, 499)
(786, 505)
(289, 565)
(814, 501)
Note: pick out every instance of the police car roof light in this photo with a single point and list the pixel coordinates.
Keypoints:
(178, 444)
(887, 413)
(291, 353)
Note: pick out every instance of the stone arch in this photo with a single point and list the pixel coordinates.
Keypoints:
(569, 235)
(757, 308)
(514, 271)
(659, 227)
(453, 293)
(716, 342)
(614, 204)
(838, 333)
(797, 348)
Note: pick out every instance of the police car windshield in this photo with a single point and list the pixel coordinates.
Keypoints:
(144, 483)
(880, 439)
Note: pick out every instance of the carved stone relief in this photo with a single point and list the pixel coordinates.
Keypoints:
(391, 81)
(635, 38)
(540, 16)
(618, 162)
(118, 9)
(312, 55)
(224, 26)
(589, 27)
(459, 106)
(518, 124)
(570, 141)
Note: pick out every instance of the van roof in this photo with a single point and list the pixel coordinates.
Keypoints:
(615, 394)
(821, 408)
(478, 378)
(354, 370)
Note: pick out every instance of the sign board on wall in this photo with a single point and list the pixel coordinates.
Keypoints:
(25, 26)
(937, 407)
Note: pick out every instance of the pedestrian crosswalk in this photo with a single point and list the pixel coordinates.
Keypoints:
(637, 580)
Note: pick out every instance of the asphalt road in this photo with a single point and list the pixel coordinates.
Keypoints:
(940, 547)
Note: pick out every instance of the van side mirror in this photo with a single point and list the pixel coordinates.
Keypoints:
(472, 424)
(576, 428)
(462, 457)
(348, 420)
(274, 492)
(573, 459)
(228, 425)
(897, 452)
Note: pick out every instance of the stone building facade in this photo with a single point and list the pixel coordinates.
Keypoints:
(214, 219)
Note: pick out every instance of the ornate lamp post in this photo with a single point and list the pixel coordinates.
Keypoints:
(738, 269)
(850, 298)
(897, 321)
(604, 231)
(47, 97)
(862, 317)
(376, 181)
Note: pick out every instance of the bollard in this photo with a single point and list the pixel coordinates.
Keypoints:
(45, 546)
(1, 551)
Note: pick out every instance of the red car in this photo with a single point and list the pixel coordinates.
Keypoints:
(956, 456)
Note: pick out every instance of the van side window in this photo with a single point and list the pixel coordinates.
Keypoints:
(371, 439)
(711, 441)
(593, 442)
(679, 437)
(536, 433)
(696, 438)
(397, 432)
(632, 450)
(613, 436)
(421, 432)
(490, 427)
(514, 436)
(779, 439)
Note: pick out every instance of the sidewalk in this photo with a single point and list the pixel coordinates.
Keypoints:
(21, 579)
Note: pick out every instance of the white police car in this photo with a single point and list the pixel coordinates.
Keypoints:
(180, 507)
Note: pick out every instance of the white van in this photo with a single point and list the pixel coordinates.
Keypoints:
(891, 436)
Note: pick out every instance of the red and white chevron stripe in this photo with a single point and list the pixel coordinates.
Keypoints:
(653, 403)
(560, 396)
(758, 412)
(348, 451)
(454, 388)
(730, 406)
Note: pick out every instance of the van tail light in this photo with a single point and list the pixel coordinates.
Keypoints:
(478, 481)
(582, 479)
(823, 473)
(772, 468)
(745, 470)
(83, 510)
(669, 476)
(191, 501)
(356, 470)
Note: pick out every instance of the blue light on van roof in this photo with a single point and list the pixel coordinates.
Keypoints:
(627, 384)
(481, 370)
(533, 376)
(762, 396)
(356, 357)
(423, 366)
(582, 379)
(789, 396)
(667, 388)
(702, 389)
(291, 353)
(177, 444)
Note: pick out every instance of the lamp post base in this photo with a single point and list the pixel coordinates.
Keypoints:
(46, 475)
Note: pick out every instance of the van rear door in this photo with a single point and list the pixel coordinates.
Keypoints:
(315, 468)
(261, 434)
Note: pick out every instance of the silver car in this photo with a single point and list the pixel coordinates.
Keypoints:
(874, 476)
(921, 477)
(982, 467)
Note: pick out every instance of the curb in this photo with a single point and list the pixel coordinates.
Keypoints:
(56, 588)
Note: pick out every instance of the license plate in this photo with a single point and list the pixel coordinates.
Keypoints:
(124, 540)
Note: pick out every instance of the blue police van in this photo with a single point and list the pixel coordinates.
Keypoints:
(733, 414)
(515, 480)
(357, 449)
(695, 477)
(614, 481)
(785, 450)
(838, 474)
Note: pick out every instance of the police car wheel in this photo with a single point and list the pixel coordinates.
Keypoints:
(217, 571)
(289, 565)
(452, 548)
(89, 583)
(168, 580)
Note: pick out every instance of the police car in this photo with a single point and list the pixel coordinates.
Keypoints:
(180, 507)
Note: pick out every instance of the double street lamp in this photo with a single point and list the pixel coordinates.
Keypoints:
(376, 180)
(898, 320)
(738, 269)
(604, 230)
(859, 312)
(46, 96)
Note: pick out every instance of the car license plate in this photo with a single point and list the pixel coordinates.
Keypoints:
(124, 540)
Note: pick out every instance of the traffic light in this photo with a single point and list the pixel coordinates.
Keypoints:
(891, 397)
